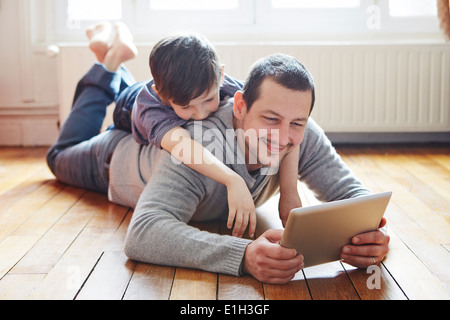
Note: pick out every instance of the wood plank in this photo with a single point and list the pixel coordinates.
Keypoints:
(17, 164)
(68, 275)
(245, 287)
(329, 282)
(374, 283)
(415, 279)
(413, 221)
(239, 288)
(55, 242)
(296, 289)
(22, 190)
(411, 244)
(25, 236)
(190, 284)
(109, 279)
(427, 169)
(15, 215)
(88, 237)
(118, 241)
(419, 180)
(150, 282)
(19, 286)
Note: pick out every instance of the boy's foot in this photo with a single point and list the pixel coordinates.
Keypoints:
(99, 36)
(122, 48)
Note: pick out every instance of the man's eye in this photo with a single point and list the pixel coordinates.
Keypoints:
(271, 119)
(185, 108)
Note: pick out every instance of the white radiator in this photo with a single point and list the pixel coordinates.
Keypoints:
(359, 88)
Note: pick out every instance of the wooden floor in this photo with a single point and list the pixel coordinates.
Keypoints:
(60, 242)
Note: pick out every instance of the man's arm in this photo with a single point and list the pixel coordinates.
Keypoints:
(289, 197)
(323, 170)
(329, 177)
(159, 234)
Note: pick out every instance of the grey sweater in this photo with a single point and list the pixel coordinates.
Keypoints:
(166, 195)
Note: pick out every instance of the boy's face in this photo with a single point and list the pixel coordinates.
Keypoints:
(199, 108)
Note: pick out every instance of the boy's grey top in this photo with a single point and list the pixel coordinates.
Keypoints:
(152, 119)
(166, 195)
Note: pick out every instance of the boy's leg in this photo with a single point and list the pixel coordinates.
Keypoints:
(124, 107)
(99, 37)
(79, 155)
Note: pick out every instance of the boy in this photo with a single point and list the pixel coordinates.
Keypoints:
(188, 85)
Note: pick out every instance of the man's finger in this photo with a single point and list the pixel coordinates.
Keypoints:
(361, 261)
(374, 237)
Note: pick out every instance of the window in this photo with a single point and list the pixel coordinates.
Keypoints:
(303, 4)
(313, 17)
(194, 15)
(72, 17)
(409, 16)
(260, 20)
(78, 10)
(193, 5)
(412, 8)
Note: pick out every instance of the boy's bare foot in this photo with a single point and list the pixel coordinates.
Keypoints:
(99, 36)
(122, 48)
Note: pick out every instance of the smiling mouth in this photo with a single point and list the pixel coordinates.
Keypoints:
(274, 148)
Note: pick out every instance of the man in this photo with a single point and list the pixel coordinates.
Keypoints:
(278, 98)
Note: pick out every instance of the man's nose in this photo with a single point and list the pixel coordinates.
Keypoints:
(284, 137)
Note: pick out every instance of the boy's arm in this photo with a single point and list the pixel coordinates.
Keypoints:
(289, 198)
(178, 142)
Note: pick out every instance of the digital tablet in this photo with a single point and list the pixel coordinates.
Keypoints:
(319, 232)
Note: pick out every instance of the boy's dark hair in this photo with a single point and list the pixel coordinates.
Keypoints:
(284, 70)
(184, 67)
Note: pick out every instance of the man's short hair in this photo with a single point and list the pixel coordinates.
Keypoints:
(184, 67)
(282, 69)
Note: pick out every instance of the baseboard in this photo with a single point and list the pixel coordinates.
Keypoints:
(389, 138)
(42, 130)
(28, 130)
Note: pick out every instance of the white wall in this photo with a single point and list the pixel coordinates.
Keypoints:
(29, 88)
(28, 83)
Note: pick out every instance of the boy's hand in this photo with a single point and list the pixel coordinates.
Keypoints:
(241, 208)
(287, 203)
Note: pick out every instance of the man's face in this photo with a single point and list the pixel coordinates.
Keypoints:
(274, 125)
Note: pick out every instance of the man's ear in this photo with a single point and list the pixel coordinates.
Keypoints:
(240, 106)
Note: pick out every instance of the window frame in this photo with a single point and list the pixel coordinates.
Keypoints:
(254, 20)
(201, 20)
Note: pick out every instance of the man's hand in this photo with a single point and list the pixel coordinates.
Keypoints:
(367, 249)
(269, 262)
